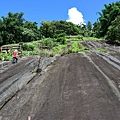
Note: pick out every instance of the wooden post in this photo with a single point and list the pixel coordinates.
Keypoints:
(3, 62)
(1, 49)
(20, 47)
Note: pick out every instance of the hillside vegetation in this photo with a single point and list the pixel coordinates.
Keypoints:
(58, 36)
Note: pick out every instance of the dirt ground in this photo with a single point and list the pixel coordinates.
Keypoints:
(74, 87)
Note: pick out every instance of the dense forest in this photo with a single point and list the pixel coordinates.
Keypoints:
(14, 28)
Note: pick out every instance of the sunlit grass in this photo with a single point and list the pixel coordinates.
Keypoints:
(92, 38)
(73, 45)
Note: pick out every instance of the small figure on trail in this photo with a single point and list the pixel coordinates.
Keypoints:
(15, 54)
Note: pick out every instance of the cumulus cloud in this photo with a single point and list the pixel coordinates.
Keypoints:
(75, 16)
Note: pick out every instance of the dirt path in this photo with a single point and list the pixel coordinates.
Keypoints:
(74, 87)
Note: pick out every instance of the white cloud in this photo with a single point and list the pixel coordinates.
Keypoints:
(75, 16)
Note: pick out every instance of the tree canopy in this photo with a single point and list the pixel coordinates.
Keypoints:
(108, 22)
(14, 28)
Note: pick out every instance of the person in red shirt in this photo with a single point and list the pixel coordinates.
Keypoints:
(15, 54)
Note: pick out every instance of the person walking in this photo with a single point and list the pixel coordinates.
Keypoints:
(15, 59)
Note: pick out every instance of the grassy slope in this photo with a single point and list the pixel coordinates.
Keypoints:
(74, 46)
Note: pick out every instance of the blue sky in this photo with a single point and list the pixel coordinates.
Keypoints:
(48, 10)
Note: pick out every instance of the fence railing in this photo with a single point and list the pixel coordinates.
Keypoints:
(19, 47)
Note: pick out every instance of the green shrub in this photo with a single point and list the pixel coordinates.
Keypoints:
(76, 47)
(102, 49)
(48, 42)
(58, 48)
(28, 47)
(6, 57)
(68, 37)
(24, 53)
(86, 48)
(34, 52)
(61, 40)
(31, 47)
(1, 56)
(80, 37)
(21, 43)
(25, 47)
(61, 35)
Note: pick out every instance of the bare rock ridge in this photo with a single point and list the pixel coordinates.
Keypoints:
(18, 75)
(76, 86)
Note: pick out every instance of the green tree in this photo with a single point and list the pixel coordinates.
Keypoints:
(113, 34)
(107, 15)
(31, 31)
(49, 29)
(14, 29)
(96, 28)
(45, 28)
(11, 33)
(89, 25)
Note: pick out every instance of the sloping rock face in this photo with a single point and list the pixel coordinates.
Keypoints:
(76, 86)
(14, 77)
